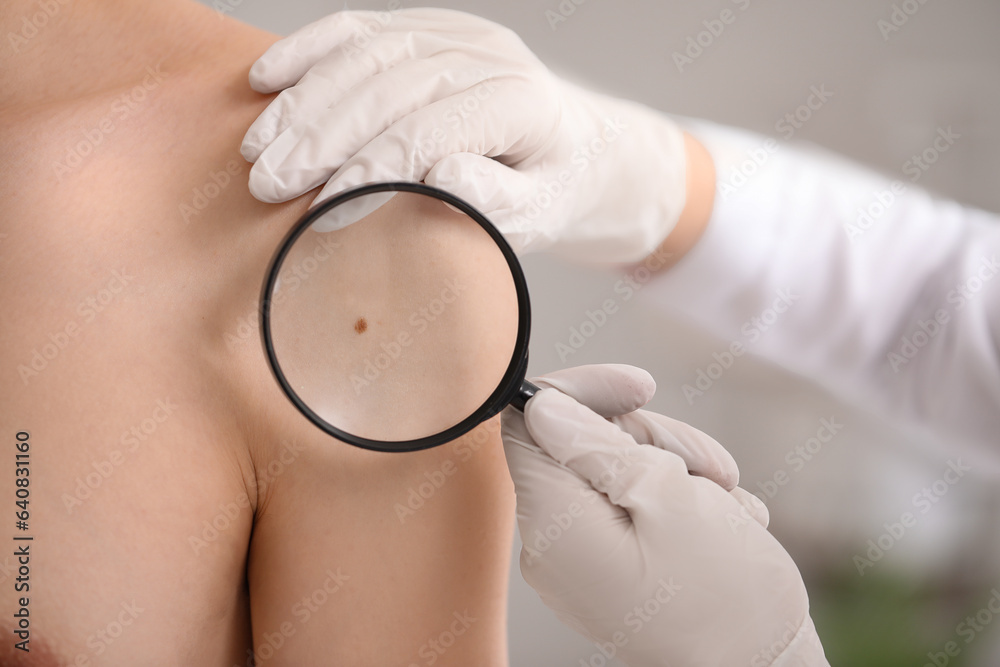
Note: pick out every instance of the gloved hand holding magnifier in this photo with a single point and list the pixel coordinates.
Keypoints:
(365, 294)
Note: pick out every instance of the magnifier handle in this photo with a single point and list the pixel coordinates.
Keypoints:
(526, 391)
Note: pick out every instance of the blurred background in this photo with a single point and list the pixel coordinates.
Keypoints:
(928, 64)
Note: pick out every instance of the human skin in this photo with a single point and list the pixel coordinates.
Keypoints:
(157, 416)
(700, 198)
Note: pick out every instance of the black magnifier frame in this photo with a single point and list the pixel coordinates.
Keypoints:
(513, 388)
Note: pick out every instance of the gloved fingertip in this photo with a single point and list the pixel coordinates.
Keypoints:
(250, 150)
(482, 181)
(262, 77)
(640, 381)
(549, 402)
(724, 477)
(265, 186)
(333, 188)
(754, 506)
(719, 466)
(608, 389)
(728, 478)
(461, 168)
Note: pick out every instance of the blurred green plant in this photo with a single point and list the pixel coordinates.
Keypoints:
(884, 620)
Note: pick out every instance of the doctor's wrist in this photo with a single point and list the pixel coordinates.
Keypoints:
(700, 199)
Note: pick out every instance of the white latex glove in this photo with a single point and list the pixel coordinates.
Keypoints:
(650, 551)
(461, 103)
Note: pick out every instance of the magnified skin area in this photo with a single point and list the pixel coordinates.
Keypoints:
(183, 511)
(437, 292)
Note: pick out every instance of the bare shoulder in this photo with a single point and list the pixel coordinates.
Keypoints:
(131, 355)
(348, 541)
(120, 237)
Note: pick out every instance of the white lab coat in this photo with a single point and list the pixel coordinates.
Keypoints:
(883, 294)
(863, 283)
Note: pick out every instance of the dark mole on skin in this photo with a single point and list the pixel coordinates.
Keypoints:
(361, 325)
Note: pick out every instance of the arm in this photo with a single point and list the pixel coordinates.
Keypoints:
(894, 308)
(350, 564)
(351, 542)
(699, 188)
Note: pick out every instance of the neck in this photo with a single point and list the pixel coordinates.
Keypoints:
(53, 50)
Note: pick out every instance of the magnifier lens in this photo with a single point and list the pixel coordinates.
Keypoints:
(393, 317)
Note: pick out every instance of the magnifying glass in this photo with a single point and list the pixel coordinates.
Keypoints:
(395, 317)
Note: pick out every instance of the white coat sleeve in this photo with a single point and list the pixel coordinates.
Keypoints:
(883, 294)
